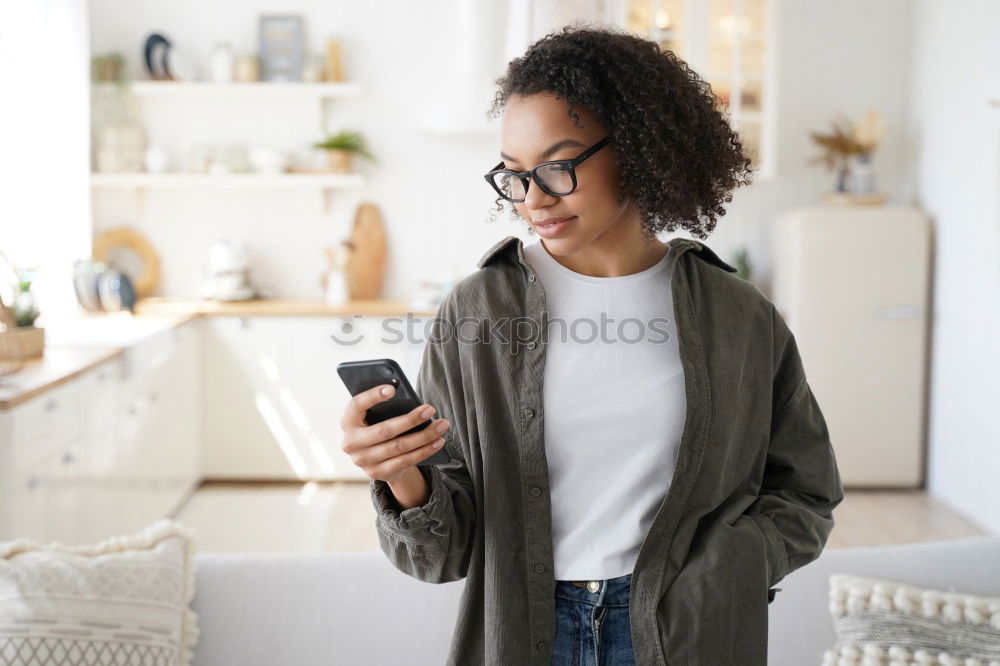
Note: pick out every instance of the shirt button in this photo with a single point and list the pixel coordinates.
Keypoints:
(536, 491)
(531, 277)
(539, 568)
(531, 345)
(528, 413)
(540, 646)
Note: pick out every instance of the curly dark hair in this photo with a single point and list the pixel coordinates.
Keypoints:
(678, 157)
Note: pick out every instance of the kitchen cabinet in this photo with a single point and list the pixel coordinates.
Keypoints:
(106, 452)
(127, 441)
(158, 438)
(273, 399)
(41, 449)
(44, 500)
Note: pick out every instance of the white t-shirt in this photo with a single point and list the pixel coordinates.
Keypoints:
(614, 408)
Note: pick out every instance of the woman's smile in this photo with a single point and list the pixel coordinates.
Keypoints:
(553, 228)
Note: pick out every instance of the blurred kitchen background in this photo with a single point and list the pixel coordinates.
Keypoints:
(196, 196)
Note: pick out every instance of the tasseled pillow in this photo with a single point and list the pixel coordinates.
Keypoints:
(889, 623)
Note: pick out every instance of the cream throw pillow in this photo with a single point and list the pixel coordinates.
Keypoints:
(882, 622)
(123, 601)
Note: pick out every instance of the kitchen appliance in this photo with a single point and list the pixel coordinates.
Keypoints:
(853, 284)
(227, 272)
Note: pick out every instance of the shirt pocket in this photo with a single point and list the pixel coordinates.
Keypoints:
(768, 556)
(720, 591)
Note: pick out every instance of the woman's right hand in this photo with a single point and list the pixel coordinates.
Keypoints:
(381, 450)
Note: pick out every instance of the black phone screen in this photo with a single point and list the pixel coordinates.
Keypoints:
(360, 376)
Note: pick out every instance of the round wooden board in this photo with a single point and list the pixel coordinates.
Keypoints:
(113, 240)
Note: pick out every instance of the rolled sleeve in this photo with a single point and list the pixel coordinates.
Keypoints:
(405, 523)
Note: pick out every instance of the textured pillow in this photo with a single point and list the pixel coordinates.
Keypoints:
(882, 622)
(122, 601)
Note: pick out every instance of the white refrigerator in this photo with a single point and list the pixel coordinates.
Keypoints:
(853, 283)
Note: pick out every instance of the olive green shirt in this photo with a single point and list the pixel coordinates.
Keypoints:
(751, 498)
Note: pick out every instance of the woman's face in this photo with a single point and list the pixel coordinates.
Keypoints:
(532, 126)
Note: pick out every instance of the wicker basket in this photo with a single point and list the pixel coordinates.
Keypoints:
(10, 345)
(30, 340)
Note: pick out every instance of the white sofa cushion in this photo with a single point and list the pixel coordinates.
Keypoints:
(801, 627)
(124, 600)
(260, 609)
(887, 619)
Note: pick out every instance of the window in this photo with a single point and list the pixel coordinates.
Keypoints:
(44, 122)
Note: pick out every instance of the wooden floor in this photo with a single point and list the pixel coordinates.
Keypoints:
(883, 517)
(338, 516)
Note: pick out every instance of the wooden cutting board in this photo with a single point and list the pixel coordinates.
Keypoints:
(366, 264)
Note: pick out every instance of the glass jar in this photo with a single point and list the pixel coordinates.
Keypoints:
(222, 63)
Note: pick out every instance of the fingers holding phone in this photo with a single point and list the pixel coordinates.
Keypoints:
(386, 449)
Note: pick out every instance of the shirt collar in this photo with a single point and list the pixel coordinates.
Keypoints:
(513, 247)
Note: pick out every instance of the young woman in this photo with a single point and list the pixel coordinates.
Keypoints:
(636, 456)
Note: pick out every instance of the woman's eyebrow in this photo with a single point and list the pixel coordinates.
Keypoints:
(565, 143)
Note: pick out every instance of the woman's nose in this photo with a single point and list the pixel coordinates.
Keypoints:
(536, 198)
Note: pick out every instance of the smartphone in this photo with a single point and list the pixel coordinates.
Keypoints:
(359, 376)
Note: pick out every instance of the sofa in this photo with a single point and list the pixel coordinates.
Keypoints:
(355, 608)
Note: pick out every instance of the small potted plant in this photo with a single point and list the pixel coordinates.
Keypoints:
(848, 151)
(107, 68)
(341, 147)
(24, 311)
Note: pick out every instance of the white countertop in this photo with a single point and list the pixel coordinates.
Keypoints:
(117, 329)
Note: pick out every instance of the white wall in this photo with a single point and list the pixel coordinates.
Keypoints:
(397, 51)
(956, 67)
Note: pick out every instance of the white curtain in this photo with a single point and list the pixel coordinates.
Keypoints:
(45, 143)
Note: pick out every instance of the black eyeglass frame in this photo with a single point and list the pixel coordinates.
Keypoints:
(569, 165)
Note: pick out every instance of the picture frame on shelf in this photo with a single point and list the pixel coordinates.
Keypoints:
(282, 47)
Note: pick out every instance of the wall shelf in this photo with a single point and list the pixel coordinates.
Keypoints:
(208, 180)
(317, 90)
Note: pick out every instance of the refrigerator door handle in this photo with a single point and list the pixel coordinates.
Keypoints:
(900, 312)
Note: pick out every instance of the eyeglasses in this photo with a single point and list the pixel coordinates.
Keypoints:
(557, 177)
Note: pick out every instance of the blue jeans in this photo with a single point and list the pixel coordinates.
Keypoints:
(593, 628)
